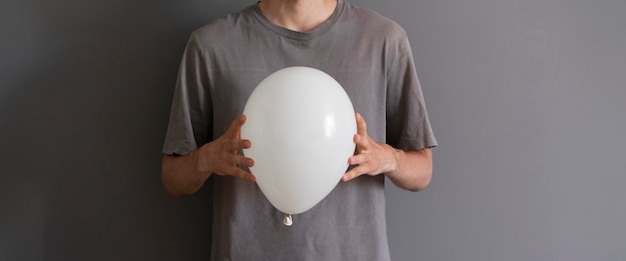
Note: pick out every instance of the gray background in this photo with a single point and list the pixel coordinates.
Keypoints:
(525, 96)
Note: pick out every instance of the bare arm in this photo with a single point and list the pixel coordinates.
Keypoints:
(184, 175)
(414, 169)
(410, 170)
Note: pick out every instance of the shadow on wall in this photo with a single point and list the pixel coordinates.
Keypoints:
(83, 111)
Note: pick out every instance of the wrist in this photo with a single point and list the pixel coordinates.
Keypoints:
(393, 163)
(199, 164)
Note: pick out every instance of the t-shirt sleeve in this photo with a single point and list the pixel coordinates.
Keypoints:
(191, 110)
(408, 127)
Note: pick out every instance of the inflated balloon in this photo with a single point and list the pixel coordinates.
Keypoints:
(301, 124)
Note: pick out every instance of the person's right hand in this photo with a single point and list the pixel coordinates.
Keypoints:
(220, 156)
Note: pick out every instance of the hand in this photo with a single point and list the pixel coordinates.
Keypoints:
(220, 156)
(370, 157)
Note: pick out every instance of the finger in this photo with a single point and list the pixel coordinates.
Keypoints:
(347, 177)
(362, 142)
(236, 144)
(353, 173)
(359, 159)
(242, 160)
(361, 125)
(235, 127)
(241, 174)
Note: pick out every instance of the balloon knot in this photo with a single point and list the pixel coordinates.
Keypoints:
(288, 221)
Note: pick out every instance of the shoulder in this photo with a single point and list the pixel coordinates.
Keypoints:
(370, 20)
(225, 29)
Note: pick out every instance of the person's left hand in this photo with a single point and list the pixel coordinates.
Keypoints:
(370, 157)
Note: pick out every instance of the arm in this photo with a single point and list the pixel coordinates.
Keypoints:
(179, 175)
(410, 170)
(414, 169)
(184, 175)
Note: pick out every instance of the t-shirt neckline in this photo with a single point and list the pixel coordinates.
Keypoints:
(295, 35)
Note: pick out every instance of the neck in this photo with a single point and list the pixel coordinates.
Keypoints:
(298, 15)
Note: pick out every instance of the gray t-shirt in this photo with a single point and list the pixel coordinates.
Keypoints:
(369, 55)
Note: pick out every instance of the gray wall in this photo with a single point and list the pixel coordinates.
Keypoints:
(525, 98)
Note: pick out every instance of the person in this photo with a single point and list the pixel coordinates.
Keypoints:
(369, 55)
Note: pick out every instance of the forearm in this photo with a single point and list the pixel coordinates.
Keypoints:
(180, 174)
(413, 170)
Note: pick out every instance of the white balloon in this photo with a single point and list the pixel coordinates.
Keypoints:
(301, 124)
